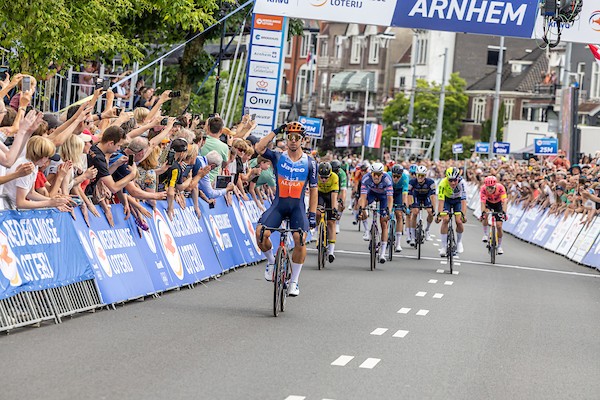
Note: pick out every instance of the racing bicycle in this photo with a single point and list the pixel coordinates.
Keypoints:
(419, 233)
(451, 241)
(493, 239)
(322, 237)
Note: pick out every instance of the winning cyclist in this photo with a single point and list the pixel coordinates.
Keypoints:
(377, 186)
(421, 191)
(294, 170)
(452, 198)
(336, 168)
(493, 197)
(329, 187)
(400, 185)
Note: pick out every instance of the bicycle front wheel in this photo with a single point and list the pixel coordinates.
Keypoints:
(278, 281)
(287, 276)
(391, 238)
(419, 237)
(493, 245)
(450, 249)
(373, 246)
(321, 245)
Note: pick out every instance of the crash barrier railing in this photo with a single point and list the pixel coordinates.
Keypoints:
(570, 236)
(54, 264)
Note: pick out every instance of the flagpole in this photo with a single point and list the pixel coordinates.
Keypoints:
(362, 152)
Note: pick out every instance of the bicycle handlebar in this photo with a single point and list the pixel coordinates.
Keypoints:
(282, 231)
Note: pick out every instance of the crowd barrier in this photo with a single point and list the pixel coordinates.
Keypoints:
(53, 265)
(569, 236)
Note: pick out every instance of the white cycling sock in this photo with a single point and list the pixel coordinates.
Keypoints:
(428, 226)
(296, 268)
(398, 236)
(270, 257)
(383, 247)
(458, 237)
(331, 248)
(365, 225)
(499, 241)
(412, 232)
(444, 238)
(486, 230)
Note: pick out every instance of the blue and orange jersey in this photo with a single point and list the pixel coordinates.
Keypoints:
(292, 177)
(385, 186)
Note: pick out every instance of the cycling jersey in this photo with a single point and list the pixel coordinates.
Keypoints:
(421, 190)
(402, 184)
(445, 191)
(358, 176)
(384, 186)
(330, 185)
(343, 179)
(496, 196)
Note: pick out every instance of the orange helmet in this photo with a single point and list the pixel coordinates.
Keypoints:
(295, 127)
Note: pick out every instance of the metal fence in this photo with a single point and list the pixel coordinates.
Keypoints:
(33, 308)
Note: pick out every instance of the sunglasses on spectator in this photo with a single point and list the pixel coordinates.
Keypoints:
(294, 137)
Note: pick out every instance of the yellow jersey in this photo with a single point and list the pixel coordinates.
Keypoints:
(332, 184)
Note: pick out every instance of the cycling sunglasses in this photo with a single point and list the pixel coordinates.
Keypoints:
(376, 173)
(491, 187)
(452, 180)
(396, 176)
(294, 137)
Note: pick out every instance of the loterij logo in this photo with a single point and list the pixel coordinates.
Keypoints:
(8, 262)
(595, 21)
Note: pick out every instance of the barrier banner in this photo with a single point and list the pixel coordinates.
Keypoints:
(119, 268)
(559, 233)
(515, 213)
(545, 228)
(38, 250)
(572, 233)
(245, 231)
(592, 258)
(525, 229)
(584, 241)
(185, 243)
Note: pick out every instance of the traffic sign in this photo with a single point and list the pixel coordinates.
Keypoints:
(457, 148)
(313, 126)
(482, 147)
(545, 147)
(501, 148)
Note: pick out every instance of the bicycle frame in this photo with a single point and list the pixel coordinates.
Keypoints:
(322, 236)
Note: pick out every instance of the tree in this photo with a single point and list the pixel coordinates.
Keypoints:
(468, 144)
(486, 126)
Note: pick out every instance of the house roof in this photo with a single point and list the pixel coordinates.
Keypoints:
(530, 76)
(406, 57)
(590, 108)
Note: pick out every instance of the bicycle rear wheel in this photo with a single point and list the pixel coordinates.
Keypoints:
(373, 246)
(279, 281)
(321, 245)
(391, 238)
(419, 237)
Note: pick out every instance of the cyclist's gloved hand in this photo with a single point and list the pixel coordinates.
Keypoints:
(279, 129)
(384, 212)
(312, 220)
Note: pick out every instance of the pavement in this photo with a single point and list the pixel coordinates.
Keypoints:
(525, 328)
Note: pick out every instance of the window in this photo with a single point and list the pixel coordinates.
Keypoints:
(478, 110)
(595, 86)
(493, 53)
(356, 50)
(421, 50)
(509, 106)
(288, 47)
(305, 45)
(402, 82)
(324, 48)
(581, 74)
(373, 50)
(323, 90)
(339, 47)
(301, 83)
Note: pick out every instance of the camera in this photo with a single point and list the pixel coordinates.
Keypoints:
(130, 160)
(118, 111)
(171, 157)
(175, 94)
(26, 83)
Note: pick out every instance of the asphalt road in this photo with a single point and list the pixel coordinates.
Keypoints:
(526, 328)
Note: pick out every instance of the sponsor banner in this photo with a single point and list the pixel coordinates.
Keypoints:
(584, 241)
(545, 146)
(262, 85)
(263, 69)
(39, 250)
(263, 117)
(514, 216)
(261, 101)
(222, 237)
(569, 238)
(356, 135)
(592, 258)
(586, 29)
(342, 136)
(269, 22)
(508, 17)
(527, 224)
(244, 231)
(501, 148)
(267, 38)
(482, 147)
(559, 233)
(313, 126)
(262, 130)
(119, 268)
(457, 148)
(264, 53)
(545, 228)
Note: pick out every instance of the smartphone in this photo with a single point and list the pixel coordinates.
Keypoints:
(253, 117)
(26, 83)
(130, 160)
(3, 72)
(211, 205)
(222, 181)
(246, 110)
(164, 121)
(175, 94)
(211, 115)
(99, 83)
(118, 111)
(171, 157)
(105, 84)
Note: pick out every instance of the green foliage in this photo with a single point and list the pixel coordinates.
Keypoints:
(446, 149)
(486, 127)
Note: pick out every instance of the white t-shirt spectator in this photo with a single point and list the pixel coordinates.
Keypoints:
(24, 182)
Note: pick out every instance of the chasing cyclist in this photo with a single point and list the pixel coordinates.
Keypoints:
(377, 186)
(493, 198)
(359, 173)
(400, 186)
(294, 170)
(452, 198)
(336, 168)
(421, 192)
(329, 187)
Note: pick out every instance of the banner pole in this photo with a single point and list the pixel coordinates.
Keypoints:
(362, 152)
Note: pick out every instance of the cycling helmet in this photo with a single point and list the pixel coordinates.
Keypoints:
(324, 170)
(397, 169)
(490, 181)
(421, 170)
(365, 165)
(295, 127)
(452, 173)
(413, 168)
(335, 166)
(377, 168)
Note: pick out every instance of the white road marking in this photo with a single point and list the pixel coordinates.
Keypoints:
(448, 283)
(455, 272)
(457, 264)
(295, 398)
(421, 294)
(379, 331)
(422, 312)
(404, 310)
(370, 363)
(433, 280)
(400, 334)
(440, 271)
(438, 296)
(439, 240)
(443, 262)
(436, 245)
(342, 361)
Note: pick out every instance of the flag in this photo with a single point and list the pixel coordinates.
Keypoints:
(596, 52)
(308, 57)
(373, 136)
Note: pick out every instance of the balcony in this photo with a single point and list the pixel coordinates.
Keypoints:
(328, 62)
(340, 106)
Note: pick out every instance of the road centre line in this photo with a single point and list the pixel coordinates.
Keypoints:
(508, 266)
(379, 331)
(433, 280)
(400, 334)
(421, 294)
(403, 311)
(422, 313)
(438, 295)
(370, 363)
(295, 397)
(342, 361)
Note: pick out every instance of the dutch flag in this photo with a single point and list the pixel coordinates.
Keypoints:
(373, 136)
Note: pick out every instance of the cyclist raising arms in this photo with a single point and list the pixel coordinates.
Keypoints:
(400, 185)
(493, 197)
(336, 168)
(452, 198)
(294, 170)
(377, 186)
(328, 195)
(421, 191)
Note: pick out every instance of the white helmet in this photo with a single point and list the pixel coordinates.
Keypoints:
(421, 170)
(377, 168)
